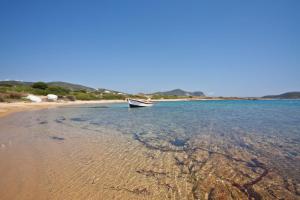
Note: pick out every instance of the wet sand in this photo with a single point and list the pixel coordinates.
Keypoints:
(8, 108)
(69, 163)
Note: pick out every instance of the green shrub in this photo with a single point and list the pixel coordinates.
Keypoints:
(7, 97)
(15, 95)
(86, 96)
(71, 98)
(109, 96)
(2, 97)
(23, 88)
(82, 91)
(6, 85)
(57, 90)
(39, 92)
(137, 97)
(40, 85)
(158, 96)
(3, 89)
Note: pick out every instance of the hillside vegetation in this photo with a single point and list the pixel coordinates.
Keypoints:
(180, 93)
(11, 91)
(15, 90)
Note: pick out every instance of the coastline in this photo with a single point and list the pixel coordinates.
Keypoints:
(9, 108)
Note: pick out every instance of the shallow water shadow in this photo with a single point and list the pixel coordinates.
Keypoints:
(89, 107)
(178, 142)
(57, 138)
(78, 119)
(60, 119)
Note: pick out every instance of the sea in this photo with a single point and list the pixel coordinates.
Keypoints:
(208, 149)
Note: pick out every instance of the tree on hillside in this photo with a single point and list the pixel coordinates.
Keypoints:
(40, 85)
(58, 90)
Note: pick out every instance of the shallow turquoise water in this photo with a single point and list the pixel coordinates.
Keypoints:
(265, 129)
(270, 117)
(249, 138)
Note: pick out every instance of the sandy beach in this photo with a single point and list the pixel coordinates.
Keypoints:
(45, 157)
(66, 162)
(8, 108)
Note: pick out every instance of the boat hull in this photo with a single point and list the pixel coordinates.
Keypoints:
(136, 103)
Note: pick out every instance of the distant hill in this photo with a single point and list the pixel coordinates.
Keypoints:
(180, 92)
(77, 87)
(10, 83)
(69, 86)
(288, 95)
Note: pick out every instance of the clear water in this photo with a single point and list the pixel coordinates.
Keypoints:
(273, 117)
(267, 130)
(251, 146)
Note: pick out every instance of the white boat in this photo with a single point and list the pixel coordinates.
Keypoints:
(139, 103)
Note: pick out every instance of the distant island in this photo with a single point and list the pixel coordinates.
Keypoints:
(287, 95)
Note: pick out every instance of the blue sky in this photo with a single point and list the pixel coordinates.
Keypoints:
(228, 48)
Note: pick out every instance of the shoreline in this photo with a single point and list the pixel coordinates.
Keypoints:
(9, 108)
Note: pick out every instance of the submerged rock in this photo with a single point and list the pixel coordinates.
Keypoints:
(178, 142)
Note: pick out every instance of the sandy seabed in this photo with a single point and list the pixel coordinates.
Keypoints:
(65, 163)
(8, 108)
(42, 157)
(55, 161)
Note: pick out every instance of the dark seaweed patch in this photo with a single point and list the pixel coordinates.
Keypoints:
(72, 107)
(178, 142)
(57, 138)
(97, 107)
(247, 188)
(293, 153)
(95, 123)
(78, 119)
(60, 119)
(137, 191)
(211, 194)
(194, 165)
